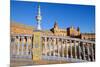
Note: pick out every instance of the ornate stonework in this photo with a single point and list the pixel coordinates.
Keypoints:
(17, 28)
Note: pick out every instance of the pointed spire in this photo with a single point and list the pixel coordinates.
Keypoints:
(39, 11)
(78, 29)
(72, 27)
(55, 24)
(38, 18)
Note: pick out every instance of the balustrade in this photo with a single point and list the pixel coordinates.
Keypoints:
(21, 45)
(63, 47)
(70, 48)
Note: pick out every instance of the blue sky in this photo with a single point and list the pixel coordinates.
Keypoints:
(66, 15)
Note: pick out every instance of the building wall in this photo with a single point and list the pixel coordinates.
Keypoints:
(88, 36)
(20, 29)
(71, 31)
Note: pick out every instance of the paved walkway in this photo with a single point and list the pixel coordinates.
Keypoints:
(29, 62)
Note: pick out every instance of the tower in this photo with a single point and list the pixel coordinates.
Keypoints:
(39, 18)
(78, 29)
(55, 24)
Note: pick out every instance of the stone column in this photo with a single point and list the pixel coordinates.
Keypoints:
(75, 47)
(62, 44)
(71, 49)
(54, 47)
(49, 47)
(45, 45)
(18, 45)
(92, 50)
(88, 52)
(58, 47)
(66, 49)
(14, 45)
(22, 49)
(37, 47)
(30, 44)
(80, 57)
(22, 45)
(27, 43)
(84, 57)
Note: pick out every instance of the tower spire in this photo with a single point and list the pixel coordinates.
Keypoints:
(38, 18)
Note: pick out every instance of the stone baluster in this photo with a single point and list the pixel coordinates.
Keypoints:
(80, 57)
(18, 45)
(71, 55)
(30, 51)
(83, 46)
(92, 50)
(75, 47)
(14, 45)
(62, 44)
(54, 47)
(27, 43)
(45, 46)
(49, 46)
(58, 47)
(88, 52)
(22, 49)
(67, 49)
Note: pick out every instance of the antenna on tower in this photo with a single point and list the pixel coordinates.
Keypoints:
(38, 17)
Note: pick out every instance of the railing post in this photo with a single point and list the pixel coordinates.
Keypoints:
(45, 45)
(62, 48)
(22, 49)
(88, 52)
(71, 54)
(30, 45)
(80, 50)
(37, 46)
(14, 45)
(18, 45)
(75, 49)
(58, 47)
(92, 50)
(27, 44)
(49, 46)
(66, 49)
(84, 57)
(54, 47)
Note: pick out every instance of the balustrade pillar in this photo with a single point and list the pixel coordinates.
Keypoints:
(92, 50)
(62, 47)
(53, 47)
(30, 44)
(58, 47)
(45, 45)
(71, 55)
(66, 49)
(22, 49)
(49, 46)
(14, 45)
(80, 57)
(75, 47)
(88, 52)
(27, 44)
(18, 45)
(84, 57)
